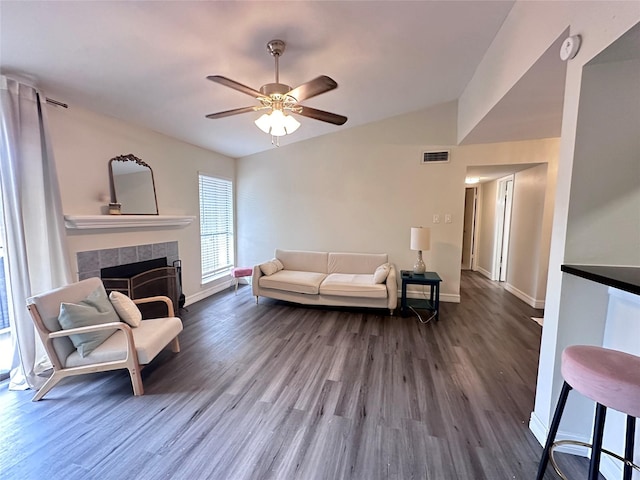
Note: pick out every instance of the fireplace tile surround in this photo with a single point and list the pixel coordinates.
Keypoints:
(90, 262)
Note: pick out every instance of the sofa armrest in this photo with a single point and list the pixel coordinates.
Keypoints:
(392, 287)
(257, 273)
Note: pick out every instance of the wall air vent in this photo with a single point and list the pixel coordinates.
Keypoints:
(436, 156)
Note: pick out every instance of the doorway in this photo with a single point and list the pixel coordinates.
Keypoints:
(504, 204)
(469, 228)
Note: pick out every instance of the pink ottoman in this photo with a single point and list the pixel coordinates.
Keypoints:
(238, 272)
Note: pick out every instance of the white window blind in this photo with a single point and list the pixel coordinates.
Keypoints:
(216, 226)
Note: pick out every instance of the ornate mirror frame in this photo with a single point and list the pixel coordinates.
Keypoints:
(147, 188)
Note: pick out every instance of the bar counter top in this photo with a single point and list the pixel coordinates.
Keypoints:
(622, 278)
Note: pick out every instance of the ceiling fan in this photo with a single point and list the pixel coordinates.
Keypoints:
(279, 100)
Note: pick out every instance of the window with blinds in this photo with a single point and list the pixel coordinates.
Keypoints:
(216, 226)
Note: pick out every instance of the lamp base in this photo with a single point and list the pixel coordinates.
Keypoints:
(419, 266)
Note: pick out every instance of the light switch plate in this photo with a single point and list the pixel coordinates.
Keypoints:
(436, 218)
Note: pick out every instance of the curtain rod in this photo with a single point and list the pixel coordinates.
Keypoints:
(56, 102)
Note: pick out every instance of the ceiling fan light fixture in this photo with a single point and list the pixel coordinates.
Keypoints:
(277, 124)
(281, 100)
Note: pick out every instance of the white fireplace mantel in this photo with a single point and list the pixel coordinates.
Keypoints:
(93, 222)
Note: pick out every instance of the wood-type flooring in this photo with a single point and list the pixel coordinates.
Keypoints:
(279, 391)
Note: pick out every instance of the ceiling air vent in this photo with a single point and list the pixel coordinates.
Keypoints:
(438, 156)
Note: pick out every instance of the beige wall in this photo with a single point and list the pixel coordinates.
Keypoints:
(360, 190)
(527, 265)
(526, 242)
(83, 143)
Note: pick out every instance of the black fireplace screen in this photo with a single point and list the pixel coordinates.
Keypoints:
(145, 279)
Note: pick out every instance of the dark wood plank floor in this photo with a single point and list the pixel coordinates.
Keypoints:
(276, 391)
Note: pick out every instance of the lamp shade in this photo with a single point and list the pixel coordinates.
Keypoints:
(420, 238)
(277, 123)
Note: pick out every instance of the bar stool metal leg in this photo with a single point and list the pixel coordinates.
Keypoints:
(628, 447)
(596, 450)
(555, 423)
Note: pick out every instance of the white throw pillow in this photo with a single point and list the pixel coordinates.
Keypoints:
(126, 309)
(268, 268)
(381, 273)
(278, 264)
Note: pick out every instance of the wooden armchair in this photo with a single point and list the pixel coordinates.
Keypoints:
(129, 348)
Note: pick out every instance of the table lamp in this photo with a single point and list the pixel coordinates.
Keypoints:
(420, 240)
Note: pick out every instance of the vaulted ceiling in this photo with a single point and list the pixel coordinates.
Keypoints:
(147, 62)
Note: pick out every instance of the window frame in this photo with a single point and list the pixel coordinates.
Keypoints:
(223, 269)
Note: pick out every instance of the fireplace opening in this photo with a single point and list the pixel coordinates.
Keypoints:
(146, 279)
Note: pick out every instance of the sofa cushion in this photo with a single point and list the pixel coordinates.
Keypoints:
(381, 273)
(304, 261)
(294, 281)
(355, 262)
(352, 285)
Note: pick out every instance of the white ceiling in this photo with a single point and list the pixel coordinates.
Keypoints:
(146, 62)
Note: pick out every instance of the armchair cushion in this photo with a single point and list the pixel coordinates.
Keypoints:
(149, 339)
(126, 309)
(96, 309)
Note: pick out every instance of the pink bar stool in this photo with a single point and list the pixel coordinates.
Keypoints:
(612, 380)
(238, 272)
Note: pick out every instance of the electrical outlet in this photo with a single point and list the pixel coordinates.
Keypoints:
(436, 218)
(447, 218)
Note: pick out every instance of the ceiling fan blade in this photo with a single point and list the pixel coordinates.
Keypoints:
(322, 115)
(227, 82)
(312, 88)
(235, 111)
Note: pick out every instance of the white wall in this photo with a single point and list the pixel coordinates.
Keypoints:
(526, 252)
(605, 185)
(529, 29)
(83, 144)
(362, 189)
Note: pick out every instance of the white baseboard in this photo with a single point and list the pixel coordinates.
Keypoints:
(486, 273)
(540, 431)
(532, 302)
(202, 294)
(449, 297)
(609, 468)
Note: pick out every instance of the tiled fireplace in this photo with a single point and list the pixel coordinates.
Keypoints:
(90, 262)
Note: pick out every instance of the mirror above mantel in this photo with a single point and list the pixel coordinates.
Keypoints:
(132, 185)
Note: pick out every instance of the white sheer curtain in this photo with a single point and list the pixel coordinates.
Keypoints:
(35, 241)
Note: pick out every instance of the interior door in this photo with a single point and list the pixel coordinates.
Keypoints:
(468, 234)
(505, 190)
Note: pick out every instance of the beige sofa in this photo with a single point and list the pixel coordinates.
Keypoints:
(328, 278)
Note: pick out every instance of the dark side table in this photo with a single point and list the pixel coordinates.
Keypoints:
(432, 279)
